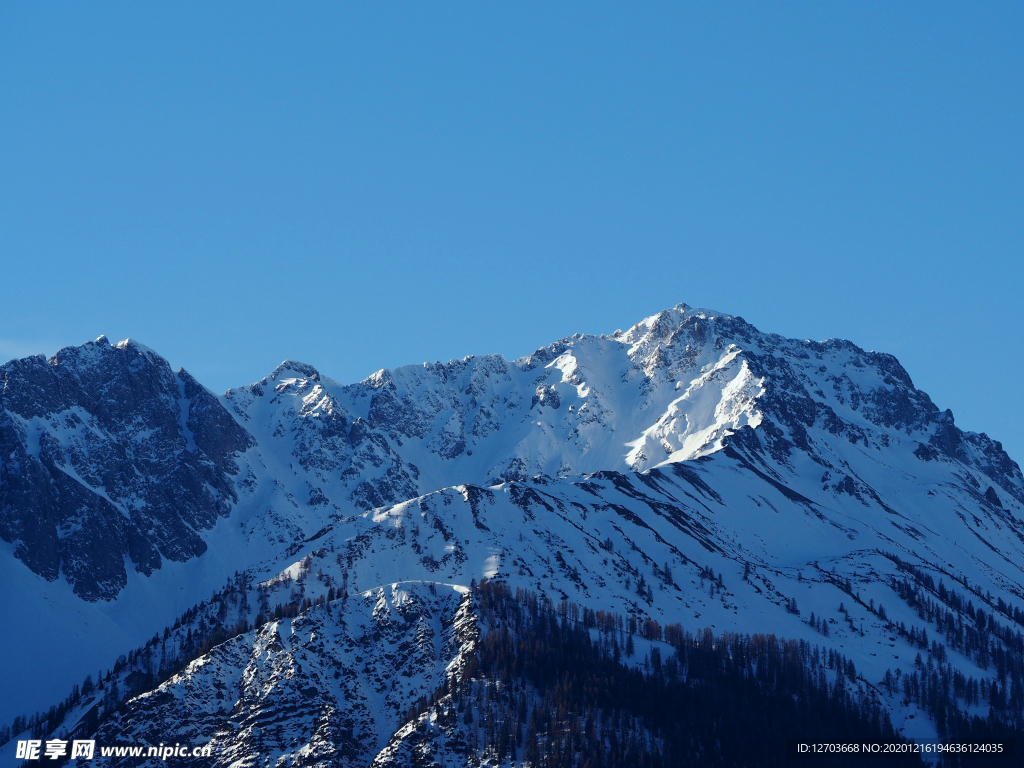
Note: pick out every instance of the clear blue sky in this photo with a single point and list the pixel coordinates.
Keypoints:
(364, 186)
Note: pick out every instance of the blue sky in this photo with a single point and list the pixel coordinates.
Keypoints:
(361, 187)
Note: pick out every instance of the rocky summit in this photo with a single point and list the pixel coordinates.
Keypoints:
(110, 457)
(301, 572)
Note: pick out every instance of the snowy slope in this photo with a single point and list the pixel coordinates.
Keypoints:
(594, 542)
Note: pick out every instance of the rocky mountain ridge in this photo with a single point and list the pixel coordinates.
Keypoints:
(106, 442)
(107, 456)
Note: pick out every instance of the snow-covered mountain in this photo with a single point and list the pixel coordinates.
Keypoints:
(691, 470)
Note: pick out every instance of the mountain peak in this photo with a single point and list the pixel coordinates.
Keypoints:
(293, 369)
(131, 343)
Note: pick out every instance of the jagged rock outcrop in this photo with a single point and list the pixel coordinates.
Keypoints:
(324, 688)
(107, 455)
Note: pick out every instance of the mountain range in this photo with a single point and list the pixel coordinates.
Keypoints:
(305, 572)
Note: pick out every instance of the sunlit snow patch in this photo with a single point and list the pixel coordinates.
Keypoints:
(491, 566)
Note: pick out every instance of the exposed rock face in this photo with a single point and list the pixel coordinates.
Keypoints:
(106, 455)
(326, 687)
